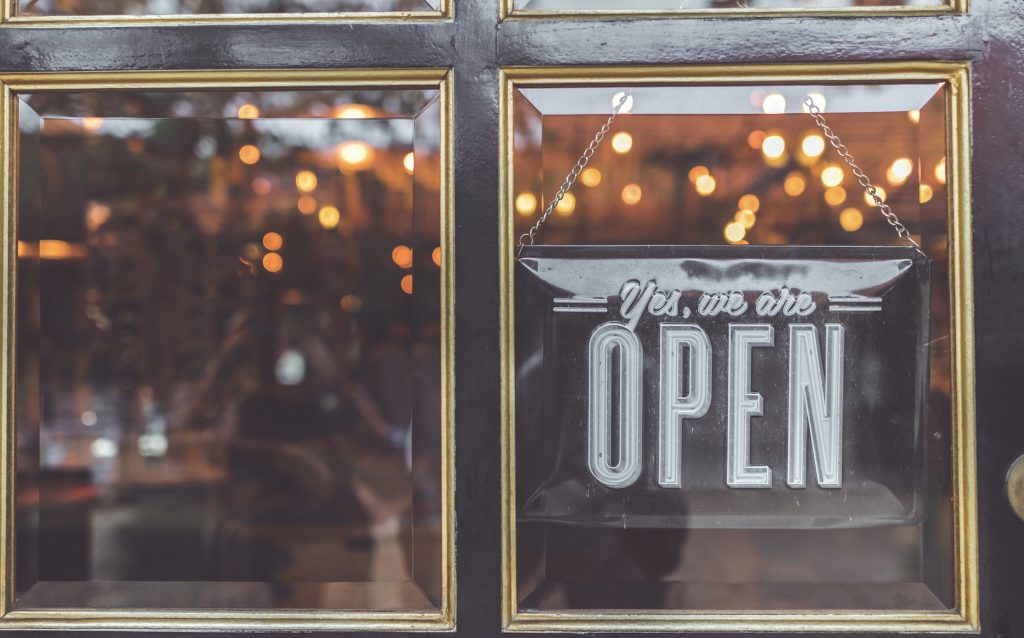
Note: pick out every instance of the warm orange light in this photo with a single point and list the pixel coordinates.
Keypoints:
(794, 184)
(92, 123)
(566, 205)
(734, 232)
(305, 181)
(590, 177)
(870, 201)
(272, 262)
(409, 162)
(750, 202)
(248, 112)
(914, 116)
(746, 217)
(329, 217)
(351, 303)
(249, 154)
(402, 256)
(306, 205)
(59, 249)
(697, 172)
(774, 104)
(773, 146)
(627, 106)
(899, 171)
(261, 186)
(925, 193)
(813, 145)
(407, 284)
(352, 112)
(756, 139)
(622, 142)
(355, 156)
(705, 185)
(833, 175)
(273, 241)
(631, 194)
(526, 203)
(940, 171)
(96, 215)
(851, 219)
(835, 196)
(435, 256)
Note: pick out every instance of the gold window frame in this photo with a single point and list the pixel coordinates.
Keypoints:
(9, 16)
(508, 10)
(965, 616)
(11, 85)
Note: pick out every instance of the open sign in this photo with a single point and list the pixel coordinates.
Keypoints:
(720, 386)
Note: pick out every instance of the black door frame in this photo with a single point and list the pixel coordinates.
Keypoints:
(476, 44)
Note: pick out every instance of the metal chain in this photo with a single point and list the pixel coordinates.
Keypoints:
(862, 178)
(527, 238)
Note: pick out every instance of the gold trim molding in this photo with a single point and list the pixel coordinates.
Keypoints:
(965, 617)
(9, 16)
(509, 11)
(11, 84)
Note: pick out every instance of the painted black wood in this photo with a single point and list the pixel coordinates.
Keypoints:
(475, 44)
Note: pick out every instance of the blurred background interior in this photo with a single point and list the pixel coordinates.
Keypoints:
(229, 350)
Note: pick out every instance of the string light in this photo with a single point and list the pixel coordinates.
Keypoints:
(272, 262)
(925, 193)
(402, 256)
(249, 154)
(526, 203)
(940, 171)
(407, 284)
(833, 175)
(705, 185)
(435, 256)
(835, 196)
(622, 142)
(774, 104)
(899, 171)
(746, 217)
(914, 116)
(306, 205)
(750, 202)
(851, 219)
(773, 146)
(870, 201)
(566, 205)
(248, 112)
(794, 184)
(273, 241)
(590, 177)
(355, 156)
(631, 194)
(329, 217)
(813, 145)
(92, 123)
(697, 172)
(305, 181)
(756, 139)
(734, 232)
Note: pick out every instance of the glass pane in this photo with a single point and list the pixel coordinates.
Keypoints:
(585, 6)
(229, 390)
(738, 174)
(214, 7)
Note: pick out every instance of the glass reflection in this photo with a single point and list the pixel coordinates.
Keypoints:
(214, 7)
(697, 5)
(743, 165)
(229, 394)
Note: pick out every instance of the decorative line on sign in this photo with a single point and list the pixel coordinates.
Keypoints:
(601, 309)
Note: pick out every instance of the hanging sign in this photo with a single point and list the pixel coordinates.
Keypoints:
(728, 386)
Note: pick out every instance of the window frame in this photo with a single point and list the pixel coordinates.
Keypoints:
(965, 616)
(11, 84)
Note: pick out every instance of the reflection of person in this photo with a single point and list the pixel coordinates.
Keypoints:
(304, 424)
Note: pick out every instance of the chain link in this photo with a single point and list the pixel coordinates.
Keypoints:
(862, 178)
(527, 238)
